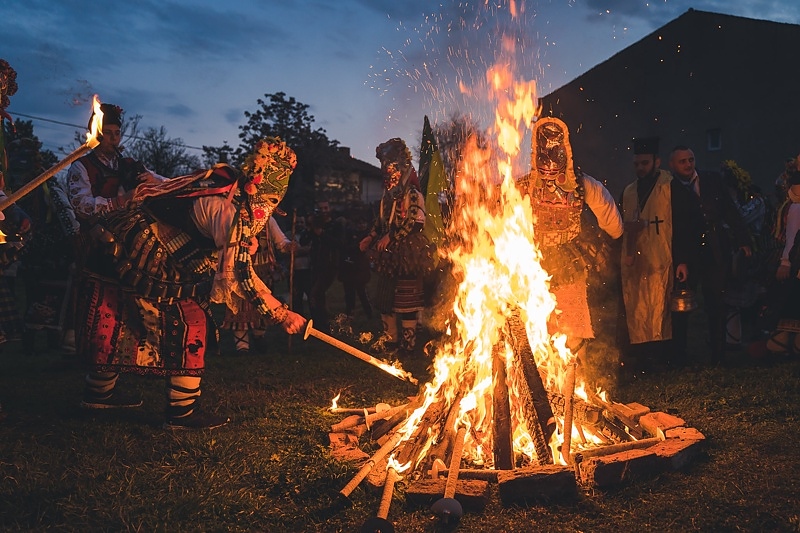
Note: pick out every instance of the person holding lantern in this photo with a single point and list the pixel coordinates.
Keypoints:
(154, 267)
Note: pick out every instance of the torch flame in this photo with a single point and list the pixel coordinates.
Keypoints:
(97, 124)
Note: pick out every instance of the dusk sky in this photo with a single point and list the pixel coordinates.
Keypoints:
(368, 69)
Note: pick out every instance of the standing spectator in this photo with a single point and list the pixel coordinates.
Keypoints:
(403, 253)
(711, 263)
(354, 269)
(302, 281)
(783, 337)
(326, 243)
(747, 275)
(657, 243)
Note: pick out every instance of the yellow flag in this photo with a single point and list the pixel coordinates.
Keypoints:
(433, 183)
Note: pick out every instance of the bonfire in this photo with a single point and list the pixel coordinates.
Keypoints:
(508, 402)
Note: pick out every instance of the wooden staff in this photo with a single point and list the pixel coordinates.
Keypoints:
(369, 419)
(621, 447)
(448, 509)
(381, 523)
(569, 392)
(291, 268)
(382, 452)
(355, 352)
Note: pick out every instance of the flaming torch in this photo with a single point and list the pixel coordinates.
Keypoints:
(91, 142)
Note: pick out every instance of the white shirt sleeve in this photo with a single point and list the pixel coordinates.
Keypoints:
(213, 216)
(79, 192)
(277, 236)
(603, 206)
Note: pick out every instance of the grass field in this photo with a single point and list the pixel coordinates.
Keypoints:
(64, 469)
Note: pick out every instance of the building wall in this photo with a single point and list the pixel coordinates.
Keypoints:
(702, 71)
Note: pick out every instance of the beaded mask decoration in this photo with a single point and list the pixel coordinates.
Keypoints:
(395, 158)
(551, 155)
(266, 178)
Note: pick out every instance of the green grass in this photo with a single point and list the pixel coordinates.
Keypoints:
(269, 470)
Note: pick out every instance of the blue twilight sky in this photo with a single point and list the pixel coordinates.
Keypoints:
(368, 69)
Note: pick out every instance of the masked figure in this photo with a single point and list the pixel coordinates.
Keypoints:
(154, 267)
(400, 251)
(558, 194)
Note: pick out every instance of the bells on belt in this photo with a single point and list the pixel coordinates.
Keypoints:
(682, 299)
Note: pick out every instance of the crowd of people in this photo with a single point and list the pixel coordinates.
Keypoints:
(150, 254)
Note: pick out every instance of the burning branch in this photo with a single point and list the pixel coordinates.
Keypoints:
(355, 352)
(369, 419)
(85, 148)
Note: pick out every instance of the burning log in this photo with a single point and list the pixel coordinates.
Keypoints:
(621, 416)
(383, 427)
(472, 494)
(414, 445)
(355, 352)
(569, 392)
(536, 484)
(503, 443)
(439, 450)
(535, 403)
(583, 413)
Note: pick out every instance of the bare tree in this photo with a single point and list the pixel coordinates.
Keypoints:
(161, 154)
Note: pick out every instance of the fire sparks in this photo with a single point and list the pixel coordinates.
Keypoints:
(494, 256)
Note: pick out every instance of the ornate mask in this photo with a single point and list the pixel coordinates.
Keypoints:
(266, 177)
(551, 155)
(395, 159)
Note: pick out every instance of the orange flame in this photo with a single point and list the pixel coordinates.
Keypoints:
(395, 464)
(97, 124)
(494, 256)
(335, 401)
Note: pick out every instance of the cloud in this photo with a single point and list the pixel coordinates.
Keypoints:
(180, 110)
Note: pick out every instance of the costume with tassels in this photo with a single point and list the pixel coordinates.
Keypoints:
(155, 267)
(401, 253)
